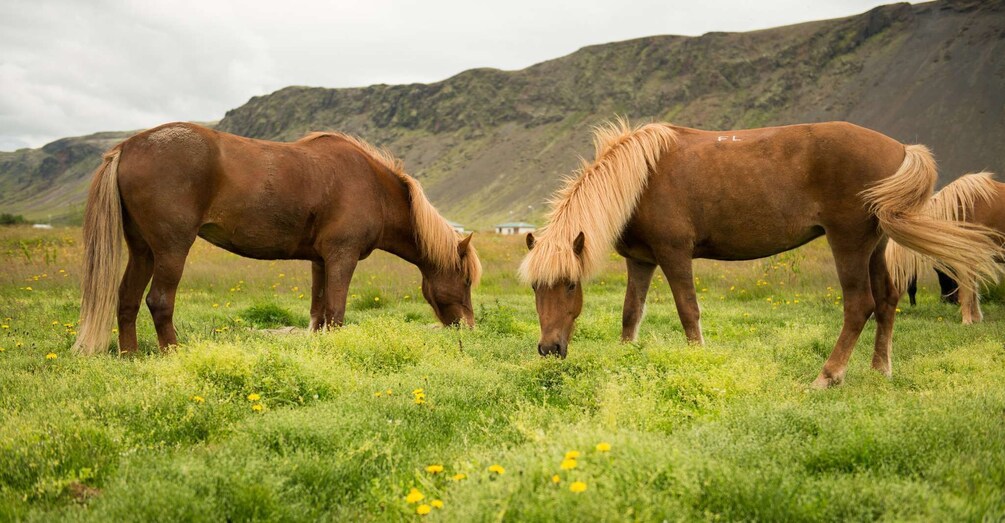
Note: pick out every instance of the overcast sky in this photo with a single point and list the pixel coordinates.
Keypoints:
(75, 67)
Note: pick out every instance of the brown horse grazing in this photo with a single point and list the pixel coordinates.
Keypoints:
(329, 198)
(663, 195)
(975, 198)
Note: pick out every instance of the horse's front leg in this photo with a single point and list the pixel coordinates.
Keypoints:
(677, 268)
(970, 305)
(338, 270)
(317, 295)
(640, 275)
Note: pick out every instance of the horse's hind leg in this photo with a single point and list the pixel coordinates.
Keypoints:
(134, 282)
(885, 296)
(640, 275)
(168, 268)
(853, 273)
(317, 295)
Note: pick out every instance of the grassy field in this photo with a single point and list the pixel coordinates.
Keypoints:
(241, 424)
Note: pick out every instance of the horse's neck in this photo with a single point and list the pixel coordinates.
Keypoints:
(398, 236)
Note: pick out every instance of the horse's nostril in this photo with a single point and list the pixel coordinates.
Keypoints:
(540, 350)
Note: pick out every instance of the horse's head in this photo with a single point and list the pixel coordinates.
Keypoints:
(558, 305)
(448, 290)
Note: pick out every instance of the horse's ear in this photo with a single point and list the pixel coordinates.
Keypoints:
(530, 241)
(462, 248)
(579, 243)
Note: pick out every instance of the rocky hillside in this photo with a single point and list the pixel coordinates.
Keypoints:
(491, 145)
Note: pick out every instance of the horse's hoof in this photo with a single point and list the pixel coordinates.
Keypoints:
(883, 368)
(826, 382)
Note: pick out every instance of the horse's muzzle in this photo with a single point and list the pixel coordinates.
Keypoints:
(554, 349)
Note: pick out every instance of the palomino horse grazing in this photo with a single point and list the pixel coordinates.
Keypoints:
(329, 198)
(974, 198)
(663, 195)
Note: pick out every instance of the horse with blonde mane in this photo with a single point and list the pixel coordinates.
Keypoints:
(975, 198)
(328, 198)
(662, 195)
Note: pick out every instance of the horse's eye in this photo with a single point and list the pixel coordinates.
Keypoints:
(467, 282)
(571, 287)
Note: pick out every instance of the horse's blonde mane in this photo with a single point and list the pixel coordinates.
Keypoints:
(954, 202)
(437, 240)
(597, 200)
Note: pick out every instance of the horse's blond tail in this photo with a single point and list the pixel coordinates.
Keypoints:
(902, 204)
(954, 202)
(102, 258)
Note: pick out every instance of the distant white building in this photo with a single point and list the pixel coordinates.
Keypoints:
(456, 226)
(41, 226)
(515, 228)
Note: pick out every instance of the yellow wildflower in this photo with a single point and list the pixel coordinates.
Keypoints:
(377, 394)
(458, 476)
(419, 400)
(257, 407)
(497, 469)
(556, 479)
(414, 496)
(418, 391)
(422, 510)
(572, 454)
(388, 392)
(254, 396)
(51, 356)
(434, 469)
(603, 447)
(577, 486)
(568, 464)
(198, 399)
(436, 503)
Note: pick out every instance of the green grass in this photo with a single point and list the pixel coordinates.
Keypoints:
(727, 431)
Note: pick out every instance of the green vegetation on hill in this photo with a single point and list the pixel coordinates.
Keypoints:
(491, 145)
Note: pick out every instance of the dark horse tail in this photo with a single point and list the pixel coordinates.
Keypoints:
(902, 204)
(102, 258)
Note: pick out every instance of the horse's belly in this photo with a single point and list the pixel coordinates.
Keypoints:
(753, 245)
(260, 245)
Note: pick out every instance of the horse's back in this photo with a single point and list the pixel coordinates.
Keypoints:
(752, 193)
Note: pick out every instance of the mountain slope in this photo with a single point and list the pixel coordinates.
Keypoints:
(491, 145)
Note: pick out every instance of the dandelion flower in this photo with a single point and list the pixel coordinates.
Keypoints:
(257, 407)
(254, 396)
(377, 394)
(568, 464)
(603, 447)
(418, 391)
(572, 454)
(458, 476)
(414, 496)
(389, 392)
(419, 400)
(556, 479)
(577, 487)
(498, 469)
(51, 356)
(434, 469)
(422, 510)
(198, 399)
(436, 503)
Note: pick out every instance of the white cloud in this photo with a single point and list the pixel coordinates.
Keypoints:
(70, 68)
